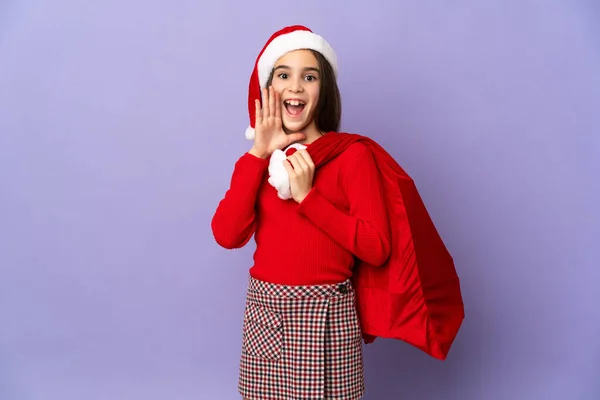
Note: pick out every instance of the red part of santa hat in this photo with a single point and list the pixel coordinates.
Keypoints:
(288, 39)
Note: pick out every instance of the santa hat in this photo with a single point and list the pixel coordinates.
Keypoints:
(296, 37)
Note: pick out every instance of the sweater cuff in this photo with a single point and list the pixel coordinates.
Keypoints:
(253, 161)
(250, 168)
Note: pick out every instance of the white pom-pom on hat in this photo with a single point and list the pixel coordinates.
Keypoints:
(250, 133)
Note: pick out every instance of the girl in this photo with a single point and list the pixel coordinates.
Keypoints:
(301, 336)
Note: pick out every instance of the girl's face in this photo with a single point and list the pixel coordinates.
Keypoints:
(296, 77)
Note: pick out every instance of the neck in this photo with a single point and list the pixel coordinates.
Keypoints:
(311, 132)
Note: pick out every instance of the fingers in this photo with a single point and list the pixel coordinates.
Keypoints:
(265, 103)
(306, 158)
(271, 104)
(294, 137)
(301, 175)
(271, 101)
(277, 105)
(301, 162)
(295, 164)
(289, 168)
(257, 112)
(278, 121)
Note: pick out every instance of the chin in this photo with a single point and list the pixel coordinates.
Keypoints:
(291, 131)
(296, 127)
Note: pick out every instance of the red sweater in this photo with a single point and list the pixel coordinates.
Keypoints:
(314, 242)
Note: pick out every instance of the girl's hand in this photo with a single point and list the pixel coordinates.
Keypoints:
(301, 173)
(269, 135)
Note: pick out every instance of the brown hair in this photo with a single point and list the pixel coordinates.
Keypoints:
(328, 113)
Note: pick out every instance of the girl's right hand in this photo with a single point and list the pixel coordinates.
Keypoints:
(268, 131)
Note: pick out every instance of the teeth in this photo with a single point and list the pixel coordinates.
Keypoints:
(294, 102)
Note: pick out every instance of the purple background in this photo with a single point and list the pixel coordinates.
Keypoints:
(120, 123)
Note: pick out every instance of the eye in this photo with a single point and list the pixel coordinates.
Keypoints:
(310, 78)
(283, 75)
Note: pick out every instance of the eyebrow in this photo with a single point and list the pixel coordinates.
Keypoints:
(305, 69)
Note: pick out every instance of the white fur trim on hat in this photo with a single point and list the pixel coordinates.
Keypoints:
(296, 40)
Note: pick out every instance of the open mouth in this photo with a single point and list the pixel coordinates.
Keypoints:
(294, 107)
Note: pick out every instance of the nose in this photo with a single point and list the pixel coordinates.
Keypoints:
(296, 85)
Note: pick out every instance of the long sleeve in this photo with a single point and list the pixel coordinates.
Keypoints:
(364, 231)
(233, 223)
